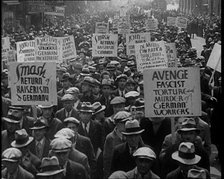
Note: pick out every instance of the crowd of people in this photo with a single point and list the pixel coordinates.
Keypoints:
(99, 130)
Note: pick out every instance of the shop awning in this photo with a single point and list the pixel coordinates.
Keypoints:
(12, 2)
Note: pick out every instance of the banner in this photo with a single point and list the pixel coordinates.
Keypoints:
(68, 48)
(171, 52)
(102, 28)
(124, 25)
(56, 11)
(136, 38)
(181, 22)
(104, 45)
(151, 24)
(25, 51)
(48, 49)
(172, 92)
(214, 60)
(5, 48)
(33, 83)
(171, 21)
(151, 55)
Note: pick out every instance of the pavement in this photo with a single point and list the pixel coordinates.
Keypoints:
(215, 168)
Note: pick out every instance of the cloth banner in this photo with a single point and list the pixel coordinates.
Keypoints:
(33, 83)
(172, 92)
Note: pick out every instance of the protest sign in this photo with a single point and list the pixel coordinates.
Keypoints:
(104, 45)
(68, 48)
(33, 83)
(25, 51)
(102, 28)
(5, 48)
(151, 55)
(171, 52)
(181, 22)
(56, 11)
(151, 24)
(136, 38)
(172, 92)
(171, 21)
(214, 60)
(124, 25)
(48, 49)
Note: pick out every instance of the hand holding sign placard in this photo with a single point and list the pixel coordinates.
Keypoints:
(172, 92)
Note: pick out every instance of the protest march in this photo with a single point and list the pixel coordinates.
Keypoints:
(109, 90)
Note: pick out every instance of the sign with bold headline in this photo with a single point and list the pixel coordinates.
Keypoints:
(132, 39)
(151, 55)
(102, 28)
(104, 45)
(171, 52)
(68, 48)
(33, 83)
(172, 92)
(25, 51)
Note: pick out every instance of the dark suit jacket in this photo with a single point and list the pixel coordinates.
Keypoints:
(6, 140)
(54, 126)
(95, 134)
(22, 173)
(60, 94)
(109, 109)
(60, 114)
(45, 150)
(75, 170)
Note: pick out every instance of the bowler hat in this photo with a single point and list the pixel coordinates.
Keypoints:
(186, 154)
(49, 167)
(98, 107)
(22, 139)
(60, 144)
(86, 107)
(145, 152)
(132, 128)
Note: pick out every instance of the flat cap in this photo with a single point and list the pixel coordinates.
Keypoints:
(106, 82)
(133, 94)
(122, 116)
(72, 120)
(60, 144)
(121, 76)
(67, 97)
(72, 90)
(118, 100)
(11, 154)
(145, 152)
(65, 132)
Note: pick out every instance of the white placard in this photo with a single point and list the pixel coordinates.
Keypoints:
(25, 51)
(214, 60)
(102, 28)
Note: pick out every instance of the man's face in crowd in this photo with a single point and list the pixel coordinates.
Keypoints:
(138, 113)
(85, 87)
(130, 87)
(39, 133)
(106, 76)
(106, 90)
(85, 116)
(143, 165)
(188, 136)
(68, 105)
(47, 112)
(133, 140)
(12, 127)
(82, 55)
(17, 113)
(72, 126)
(66, 84)
(118, 107)
(121, 126)
(96, 89)
(121, 83)
(11, 166)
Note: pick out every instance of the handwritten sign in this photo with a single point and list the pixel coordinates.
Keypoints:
(132, 39)
(102, 28)
(5, 48)
(48, 49)
(68, 48)
(33, 83)
(151, 55)
(171, 21)
(181, 22)
(171, 52)
(124, 25)
(25, 51)
(104, 45)
(172, 92)
(214, 60)
(151, 24)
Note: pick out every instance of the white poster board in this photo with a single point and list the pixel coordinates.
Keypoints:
(171, 52)
(172, 92)
(25, 51)
(171, 21)
(214, 60)
(68, 48)
(33, 83)
(104, 45)
(136, 38)
(151, 55)
(102, 28)
(181, 22)
(151, 24)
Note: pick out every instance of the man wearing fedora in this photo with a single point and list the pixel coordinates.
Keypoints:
(67, 110)
(10, 159)
(53, 123)
(82, 143)
(122, 158)
(29, 161)
(186, 159)
(12, 124)
(144, 159)
(60, 147)
(41, 144)
(113, 139)
(86, 90)
(50, 169)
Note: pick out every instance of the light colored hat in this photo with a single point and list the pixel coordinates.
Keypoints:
(118, 100)
(186, 154)
(72, 90)
(133, 94)
(49, 167)
(195, 173)
(11, 154)
(122, 116)
(118, 175)
(114, 62)
(132, 127)
(106, 82)
(60, 144)
(145, 152)
(11, 119)
(67, 97)
(45, 106)
(72, 120)
(126, 69)
(120, 77)
(22, 139)
(65, 132)
(188, 124)
(88, 80)
(98, 107)
(86, 107)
